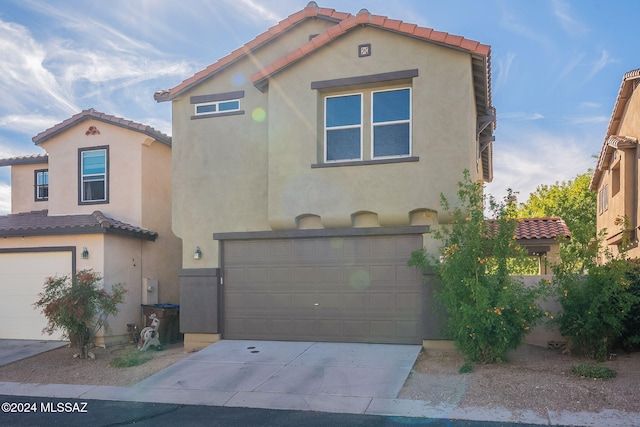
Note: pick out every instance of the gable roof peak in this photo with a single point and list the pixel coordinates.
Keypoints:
(91, 113)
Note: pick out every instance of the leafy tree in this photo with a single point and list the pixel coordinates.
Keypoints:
(576, 204)
(489, 311)
(78, 305)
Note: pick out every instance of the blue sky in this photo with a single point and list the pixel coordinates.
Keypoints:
(557, 66)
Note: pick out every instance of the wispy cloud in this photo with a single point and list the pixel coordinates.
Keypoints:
(511, 23)
(544, 159)
(29, 124)
(589, 104)
(589, 119)
(24, 80)
(571, 25)
(521, 116)
(599, 64)
(503, 69)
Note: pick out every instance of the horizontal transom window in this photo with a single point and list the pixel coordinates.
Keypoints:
(217, 107)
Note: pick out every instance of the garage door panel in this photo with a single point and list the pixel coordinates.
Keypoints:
(280, 275)
(352, 289)
(22, 277)
(330, 300)
(382, 301)
(280, 301)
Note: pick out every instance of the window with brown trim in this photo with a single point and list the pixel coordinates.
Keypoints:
(41, 185)
(93, 172)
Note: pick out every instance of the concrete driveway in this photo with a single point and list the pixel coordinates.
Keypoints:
(12, 350)
(288, 375)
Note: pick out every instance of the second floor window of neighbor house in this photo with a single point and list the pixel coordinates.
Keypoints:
(42, 184)
(93, 166)
(389, 120)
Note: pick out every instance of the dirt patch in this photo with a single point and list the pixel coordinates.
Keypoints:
(60, 367)
(535, 378)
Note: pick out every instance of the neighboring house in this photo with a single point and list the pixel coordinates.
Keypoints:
(616, 176)
(308, 165)
(541, 237)
(98, 199)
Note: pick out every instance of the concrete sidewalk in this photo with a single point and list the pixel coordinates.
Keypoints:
(12, 350)
(327, 377)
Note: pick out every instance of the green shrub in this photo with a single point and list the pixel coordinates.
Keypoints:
(466, 368)
(630, 338)
(593, 371)
(132, 357)
(489, 312)
(595, 307)
(78, 305)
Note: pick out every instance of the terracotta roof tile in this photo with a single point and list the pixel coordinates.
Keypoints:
(345, 22)
(538, 228)
(365, 18)
(39, 223)
(107, 118)
(311, 11)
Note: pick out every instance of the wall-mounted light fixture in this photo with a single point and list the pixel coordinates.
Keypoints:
(85, 253)
(198, 253)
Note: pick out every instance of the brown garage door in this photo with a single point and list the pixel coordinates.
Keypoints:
(342, 289)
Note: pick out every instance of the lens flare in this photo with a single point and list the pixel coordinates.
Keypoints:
(259, 115)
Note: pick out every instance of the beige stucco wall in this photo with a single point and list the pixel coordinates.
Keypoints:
(625, 164)
(241, 173)
(124, 165)
(22, 188)
(162, 258)
(443, 133)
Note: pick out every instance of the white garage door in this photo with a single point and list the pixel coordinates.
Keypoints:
(22, 276)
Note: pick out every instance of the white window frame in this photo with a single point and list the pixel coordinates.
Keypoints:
(105, 175)
(360, 126)
(409, 121)
(217, 105)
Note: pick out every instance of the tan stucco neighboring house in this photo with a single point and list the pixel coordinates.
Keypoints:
(616, 177)
(98, 198)
(307, 166)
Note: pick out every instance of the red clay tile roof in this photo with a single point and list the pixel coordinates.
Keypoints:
(365, 18)
(344, 23)
(31, 159)
(542, 228)
(539, 228)
(624, 94)
(106, 118)
(40, 223)
(311, 11)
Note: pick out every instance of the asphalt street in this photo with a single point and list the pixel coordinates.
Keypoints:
(37, 411)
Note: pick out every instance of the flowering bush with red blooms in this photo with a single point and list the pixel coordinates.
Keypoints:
(489, 312)
(78, 305)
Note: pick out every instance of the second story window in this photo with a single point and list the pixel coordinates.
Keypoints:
(217, 107)
(343, 128)
(41, 185)
(94, 175)
(391, 123)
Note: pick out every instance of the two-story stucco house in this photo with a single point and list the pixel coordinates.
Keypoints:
(98, 198)
(307, 166)
(616, 177)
